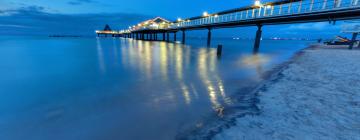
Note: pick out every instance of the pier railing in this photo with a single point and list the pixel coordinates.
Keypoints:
(264, 11)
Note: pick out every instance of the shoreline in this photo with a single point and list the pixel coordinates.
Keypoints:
(231, 113)
(262, 125)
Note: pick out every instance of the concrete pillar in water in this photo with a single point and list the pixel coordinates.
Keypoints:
(183, 37)
(257, 39)
(209, 37)
(174, 36)
(167, 36)
(353, 39)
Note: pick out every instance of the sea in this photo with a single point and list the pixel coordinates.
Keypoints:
(97, 88)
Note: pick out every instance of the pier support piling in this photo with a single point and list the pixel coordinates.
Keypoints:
(353, 40)
(257, 38)
(183, 37)
(163, 34)
(209, 37)
(174, 36)
(167, 37)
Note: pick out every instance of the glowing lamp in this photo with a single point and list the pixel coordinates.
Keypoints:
(257, 3)
(205, 14)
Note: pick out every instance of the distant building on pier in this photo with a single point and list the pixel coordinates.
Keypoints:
(107, 31)
(154, 24)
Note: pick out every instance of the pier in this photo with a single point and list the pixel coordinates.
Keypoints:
(259, 15)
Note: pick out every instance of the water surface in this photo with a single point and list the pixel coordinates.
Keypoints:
(111, 88)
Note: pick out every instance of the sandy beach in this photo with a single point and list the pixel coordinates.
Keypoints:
(316, 96)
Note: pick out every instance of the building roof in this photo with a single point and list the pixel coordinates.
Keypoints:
(107, 28)
(155, 20)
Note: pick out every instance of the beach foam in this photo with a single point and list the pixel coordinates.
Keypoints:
(316, 97)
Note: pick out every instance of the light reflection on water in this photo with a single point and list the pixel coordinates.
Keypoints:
(172, 58)
(111, 88)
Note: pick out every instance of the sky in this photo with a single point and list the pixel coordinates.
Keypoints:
(82, 17)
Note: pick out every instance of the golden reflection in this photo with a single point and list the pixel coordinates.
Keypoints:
(207, 70)
(163, 61)
(255, 61)
(172, 64)
(100, 55)
(179, 72)
(203, 70)
(179, 62)
(186, 93)
(146, 59)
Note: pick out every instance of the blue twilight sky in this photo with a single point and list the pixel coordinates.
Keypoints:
(82, 17)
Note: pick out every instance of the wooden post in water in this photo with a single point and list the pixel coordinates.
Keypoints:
(219, 50)
(257, 38)
(209, 37)
(163, 36)
(353, 39)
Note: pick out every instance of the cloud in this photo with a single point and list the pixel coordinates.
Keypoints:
(80, 2)
(13, 26)
(23, 9)
(35, 20)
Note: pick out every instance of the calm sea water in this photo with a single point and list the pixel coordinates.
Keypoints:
(111, 88)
